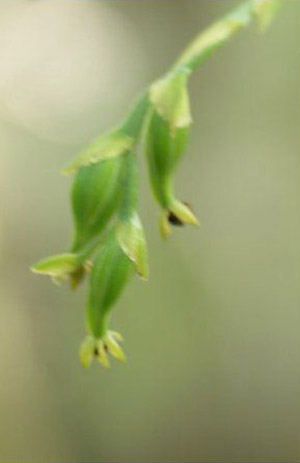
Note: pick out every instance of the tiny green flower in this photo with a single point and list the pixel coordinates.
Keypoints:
(111, 272)
(166, 142)
(178, 214)
(98, 349)
(95, 198)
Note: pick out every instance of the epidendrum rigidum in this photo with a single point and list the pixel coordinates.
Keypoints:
(109, 243)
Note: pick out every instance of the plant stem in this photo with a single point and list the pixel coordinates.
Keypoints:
(216, 35)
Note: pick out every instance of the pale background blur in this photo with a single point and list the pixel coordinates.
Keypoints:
(213, 339)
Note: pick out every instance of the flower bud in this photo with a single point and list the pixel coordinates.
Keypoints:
(58, 267)
(95, 197)
(98, 349)
(131, 238)
(111, 271)
(166, 142)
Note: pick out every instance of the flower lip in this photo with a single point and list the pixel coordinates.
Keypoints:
(173, 219)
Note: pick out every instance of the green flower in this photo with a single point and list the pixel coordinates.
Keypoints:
(166, 142)
(111, 272)
(98, 349)
(95, 198)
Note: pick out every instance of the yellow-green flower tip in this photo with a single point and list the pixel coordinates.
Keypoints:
(87, 351)
(118, 337)
(131, 238)
(113, 347)
(178, 215)
(58, 267)
(100, 349)
(164, 225)
(181, 214)
(101, 354)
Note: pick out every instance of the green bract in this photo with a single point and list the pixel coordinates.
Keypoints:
(95, 197)
(131, 238)
(58, 267)
(98, 349)
(109, 242)
(111, 271)
(169, 97)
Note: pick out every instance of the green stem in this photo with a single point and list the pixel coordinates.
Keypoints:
(215, 36)
(208, 41)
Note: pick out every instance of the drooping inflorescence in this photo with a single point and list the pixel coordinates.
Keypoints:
(109, 244)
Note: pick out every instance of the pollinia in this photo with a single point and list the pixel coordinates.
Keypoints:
(109, 245)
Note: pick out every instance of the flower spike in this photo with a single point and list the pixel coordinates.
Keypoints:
(109, 244)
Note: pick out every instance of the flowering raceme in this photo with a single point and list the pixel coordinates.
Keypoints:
(108, 242)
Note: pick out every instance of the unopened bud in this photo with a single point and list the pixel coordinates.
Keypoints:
(111, 272)
(166, 142)
(131, 237)
(95, 197)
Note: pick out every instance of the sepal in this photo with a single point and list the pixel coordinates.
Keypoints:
(58, 267)
(95, 198)
(178, 214)
(131, 237)
(98, 349)
(109, 145)
(169, 97)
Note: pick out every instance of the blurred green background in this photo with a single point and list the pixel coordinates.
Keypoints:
(213, 339)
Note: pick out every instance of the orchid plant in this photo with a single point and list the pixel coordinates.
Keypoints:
(109, 244)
